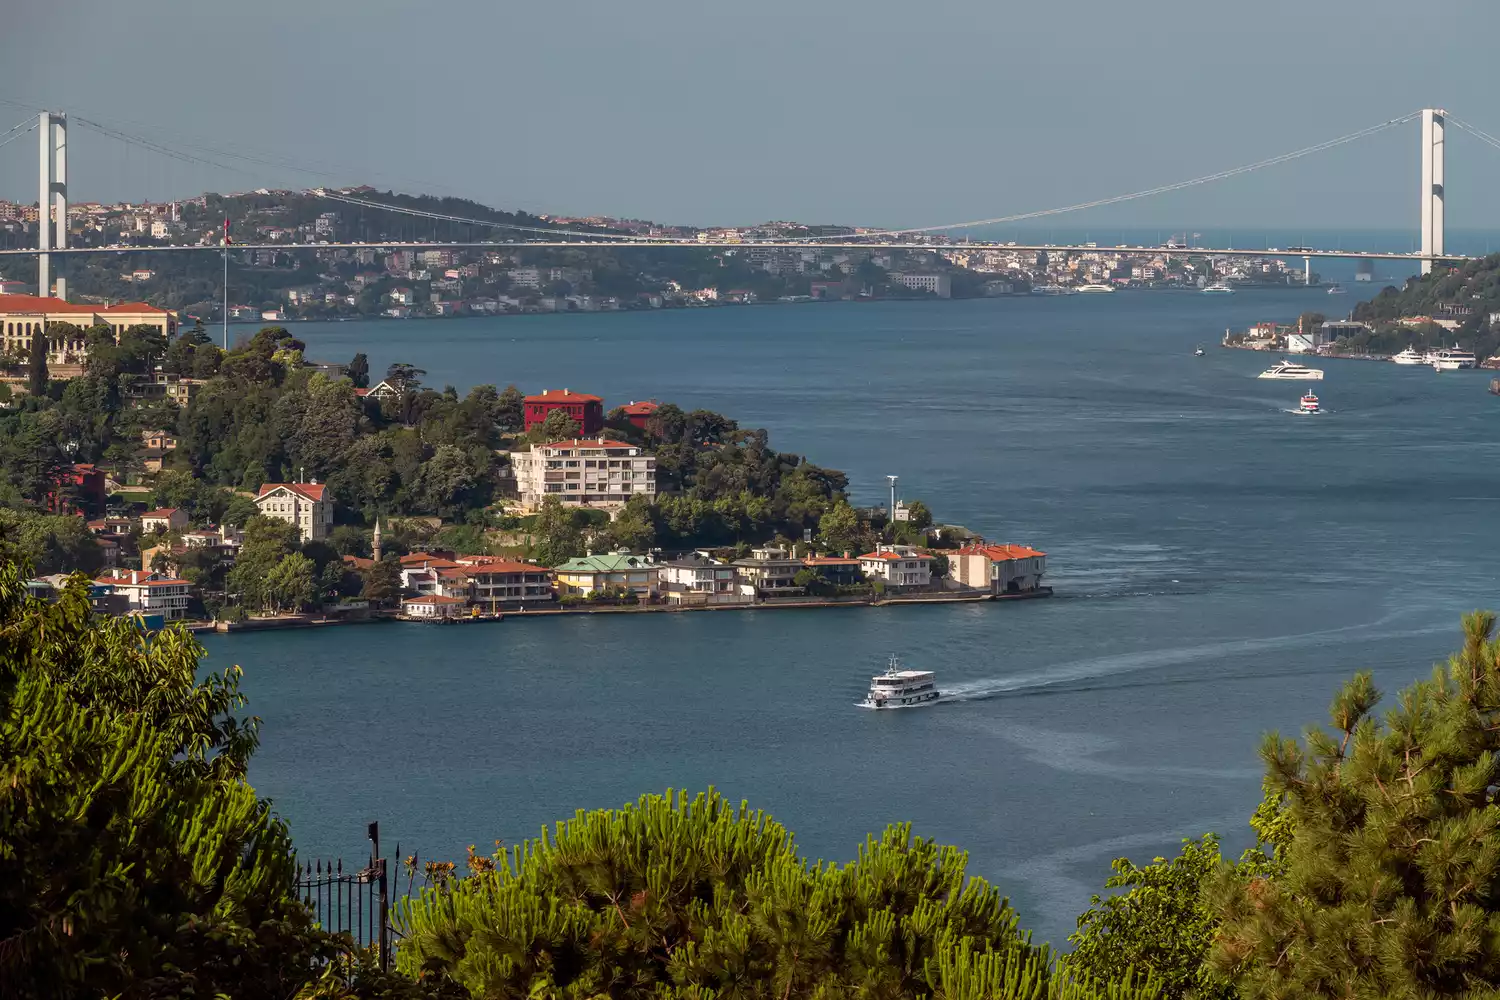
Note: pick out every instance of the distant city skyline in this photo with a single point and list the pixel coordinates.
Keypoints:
(876, 113)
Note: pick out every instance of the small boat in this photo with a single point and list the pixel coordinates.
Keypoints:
(897, 688)
(1308, 405)
(1218, 288)
(1198, 352)
(1409, 357)
(1082, 289)
(1454, 359)
(1335, 289)
(1290, 372)
(1048, 290)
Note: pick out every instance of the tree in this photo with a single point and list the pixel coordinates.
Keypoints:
(510, 409)
(137, 860)
(50, 543)
(556, 537)
(632, 527)
(839, 526)
(36, 371)
(1388, 882)
(359, 371)
(291, 585)
(347, 540)
(407, 378)
(557, 426)
(918, 516)
(267, 541)
(382, 581)
(240, 510)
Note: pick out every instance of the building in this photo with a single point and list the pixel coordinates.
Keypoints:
(639, 412)
(151, 594)
(934, 284)
(769, 572)
(697, 579)
(302, 504)
(1000, 569)
(593, 573)
(841, 571)
(427, 575)
(587, 411)
(164, 519)
(897, 566)
(165, 385)
(1309, 341)
(22, 316)
(434, 606)
(584, 473)
(82, 491)
(497, 584)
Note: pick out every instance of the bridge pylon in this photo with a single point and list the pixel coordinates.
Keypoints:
(52, 203)
(1434, 124)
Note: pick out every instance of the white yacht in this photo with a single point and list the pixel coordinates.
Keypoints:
(1410, 357)
(1453, 359)
(1218, 288)
(897, 688)
(1335, 289)
(1287, 370)
(1095, 288)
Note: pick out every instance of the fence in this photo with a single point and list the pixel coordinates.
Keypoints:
(352, 902)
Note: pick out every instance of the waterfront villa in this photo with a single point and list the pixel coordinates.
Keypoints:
(584, 473)
(1000, 569)
(587, 411)
(587, 574)
(841, 571)
(495, 583)
(164, 519)
(151, 593)
(769, 572)
(302, 504)
(698, 579)
(897, 566)
(434, 606)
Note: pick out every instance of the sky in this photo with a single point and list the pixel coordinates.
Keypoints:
(861, 112)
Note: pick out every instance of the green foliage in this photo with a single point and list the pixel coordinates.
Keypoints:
(36, 369)
(51, 543)
(1388, 882)
(382, 581)
(464, 539)
(290, 585)
(557, 426)
(839, 527)
(557, 534)
(134, 858)
(1164, 923)
(268, 541)
(359, 371)
(918, 516)
(679, 897)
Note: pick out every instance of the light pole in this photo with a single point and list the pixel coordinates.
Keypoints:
(893, 497)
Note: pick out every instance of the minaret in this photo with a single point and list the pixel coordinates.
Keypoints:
(375, 540)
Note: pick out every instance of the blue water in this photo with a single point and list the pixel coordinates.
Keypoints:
(1220, 565)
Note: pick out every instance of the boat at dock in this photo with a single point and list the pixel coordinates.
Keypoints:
(1453, 359)
(898, 688)
(1092, 289)
(1286, 370)
(1410, 357)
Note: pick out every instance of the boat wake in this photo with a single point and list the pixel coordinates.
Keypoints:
(1125, 663)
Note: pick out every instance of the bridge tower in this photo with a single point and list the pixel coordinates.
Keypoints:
(1433, 125)
(52, 205)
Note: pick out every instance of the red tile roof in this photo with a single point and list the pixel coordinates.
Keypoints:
(641, 409)
(829, 561)
(1001, 553)
(494, 564)
(563, 396)
(421, 560)
(894, 556)
(47, 304)
(358, 562)
(311, 491)
(164, 512)
(434, 599)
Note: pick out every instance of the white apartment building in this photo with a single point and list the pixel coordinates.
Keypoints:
(302, 504)
(937, 284)
(152, 594)
(584, 473)
(898, 566)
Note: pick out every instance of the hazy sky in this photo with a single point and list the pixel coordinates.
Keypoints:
(856, 111)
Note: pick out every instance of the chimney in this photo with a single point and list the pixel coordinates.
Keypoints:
(135, 576)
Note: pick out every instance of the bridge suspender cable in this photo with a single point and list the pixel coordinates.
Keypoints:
(1163, 189)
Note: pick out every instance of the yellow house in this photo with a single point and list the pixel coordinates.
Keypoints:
(587, 574)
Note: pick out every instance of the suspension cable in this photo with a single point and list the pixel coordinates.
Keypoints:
(1163, 189)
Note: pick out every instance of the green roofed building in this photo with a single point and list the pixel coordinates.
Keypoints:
(586, 574)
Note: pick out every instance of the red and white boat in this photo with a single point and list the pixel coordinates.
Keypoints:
(1308, 405)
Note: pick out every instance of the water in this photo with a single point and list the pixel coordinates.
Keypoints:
(1220, 565)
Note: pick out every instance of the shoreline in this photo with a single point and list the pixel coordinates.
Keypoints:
(298, 622)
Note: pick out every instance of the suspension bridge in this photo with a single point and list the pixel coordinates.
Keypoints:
(53, 194)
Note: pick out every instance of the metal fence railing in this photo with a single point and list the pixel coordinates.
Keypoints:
(354, 902)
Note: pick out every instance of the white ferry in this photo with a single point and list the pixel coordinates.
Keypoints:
(897, 688)
(1410, 357)
(1454, 359)
(1288, 371)
(1308, 405)
(1095, 288)
(1218, 288)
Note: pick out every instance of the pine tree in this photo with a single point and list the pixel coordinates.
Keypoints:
(691, 897)
(1390, 876)
(36, 382)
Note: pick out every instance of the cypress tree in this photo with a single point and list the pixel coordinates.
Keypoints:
(1391, 875)
(37, 367)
